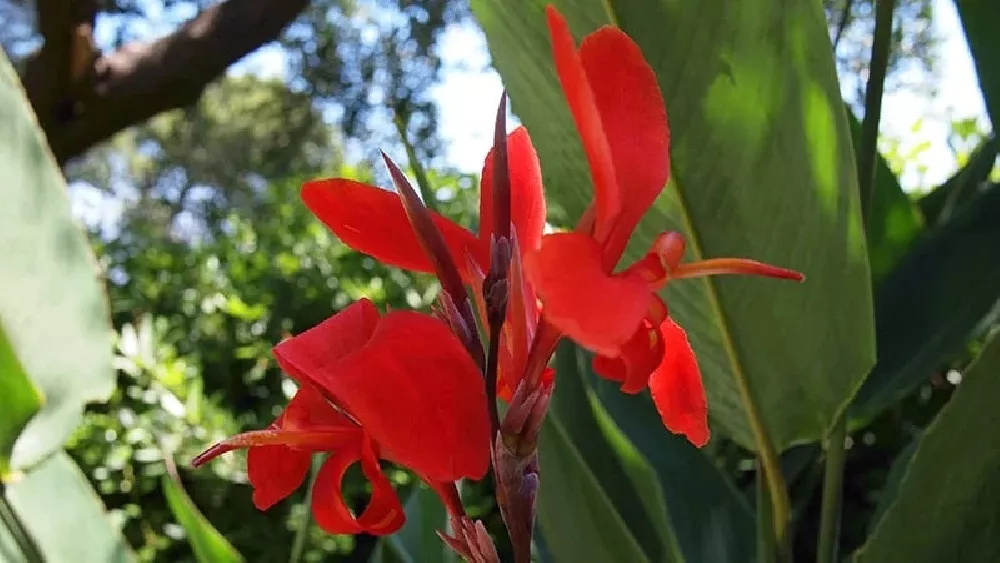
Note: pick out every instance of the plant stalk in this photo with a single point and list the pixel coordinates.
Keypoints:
(302, 534)
(22, 537)
(877, 70)
(766, 548)
(833, 480)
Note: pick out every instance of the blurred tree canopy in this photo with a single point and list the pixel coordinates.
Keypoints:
(93, 68)
(162, 56)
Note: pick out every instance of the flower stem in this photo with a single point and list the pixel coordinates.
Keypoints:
(833, 478)
(302, 534)
(22, 537)
(492, 358)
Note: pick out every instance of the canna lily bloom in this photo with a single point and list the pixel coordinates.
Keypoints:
(619, 112)
(373, 221)
(398, 387)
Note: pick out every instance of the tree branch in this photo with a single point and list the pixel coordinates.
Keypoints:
(141, 80)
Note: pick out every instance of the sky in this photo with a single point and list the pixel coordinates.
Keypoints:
(469, 90)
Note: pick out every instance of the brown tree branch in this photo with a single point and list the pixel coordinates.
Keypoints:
(141, 80)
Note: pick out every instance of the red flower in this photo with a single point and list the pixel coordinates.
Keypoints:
(373, 221)
(620, 115)
(399, 387)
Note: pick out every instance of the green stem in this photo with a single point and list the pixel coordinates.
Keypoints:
(833, 479)
(873, 103)
(302, 535)
(766, 549)
(423, 184)
(22, 537)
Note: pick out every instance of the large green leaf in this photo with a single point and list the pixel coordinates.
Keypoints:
(669, 500)
(60, 509)
(946, 505)
(596, 497)
(52, 307)
(762, 168)
(894, 221)
(207, 543)
(930, 304)
(418, 540)
(706, 514)
(19, 400)
(980, 19)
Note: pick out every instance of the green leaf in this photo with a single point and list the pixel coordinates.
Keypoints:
(418, 540)
(894, 221)
(19, 400)
(979, 20)
(62, 512)
(946, 505)
(762, 168)
(939, 205)
(706, 514)
(576, 516)
(660, 493)
(53, 309)
(622, 477)
(207, 543)
(929, 305)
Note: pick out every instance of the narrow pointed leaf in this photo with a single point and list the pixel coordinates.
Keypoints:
(953, 273)
(979, 20)
(945, 507)
(947, 199)
(207, 543)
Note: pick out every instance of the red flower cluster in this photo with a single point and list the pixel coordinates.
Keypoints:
(409, 388)
(399, 387)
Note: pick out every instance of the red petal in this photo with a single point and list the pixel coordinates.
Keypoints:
(677, 389)
(311, 357)
(599, 311)
(639, 357)
(583, 104)
(383, 515)
(308, 423)
(414, 389)
(372, 220)
(634, 121)
(527, 199)
(275, 472)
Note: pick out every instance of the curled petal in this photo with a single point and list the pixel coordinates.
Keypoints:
(275, 472)
(599, 311)
(383, 515)
(372, 220)
(677, 388)
(634, 121)
(526, 196)
(586, 114)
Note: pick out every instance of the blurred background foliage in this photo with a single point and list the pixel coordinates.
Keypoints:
(212, 259)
